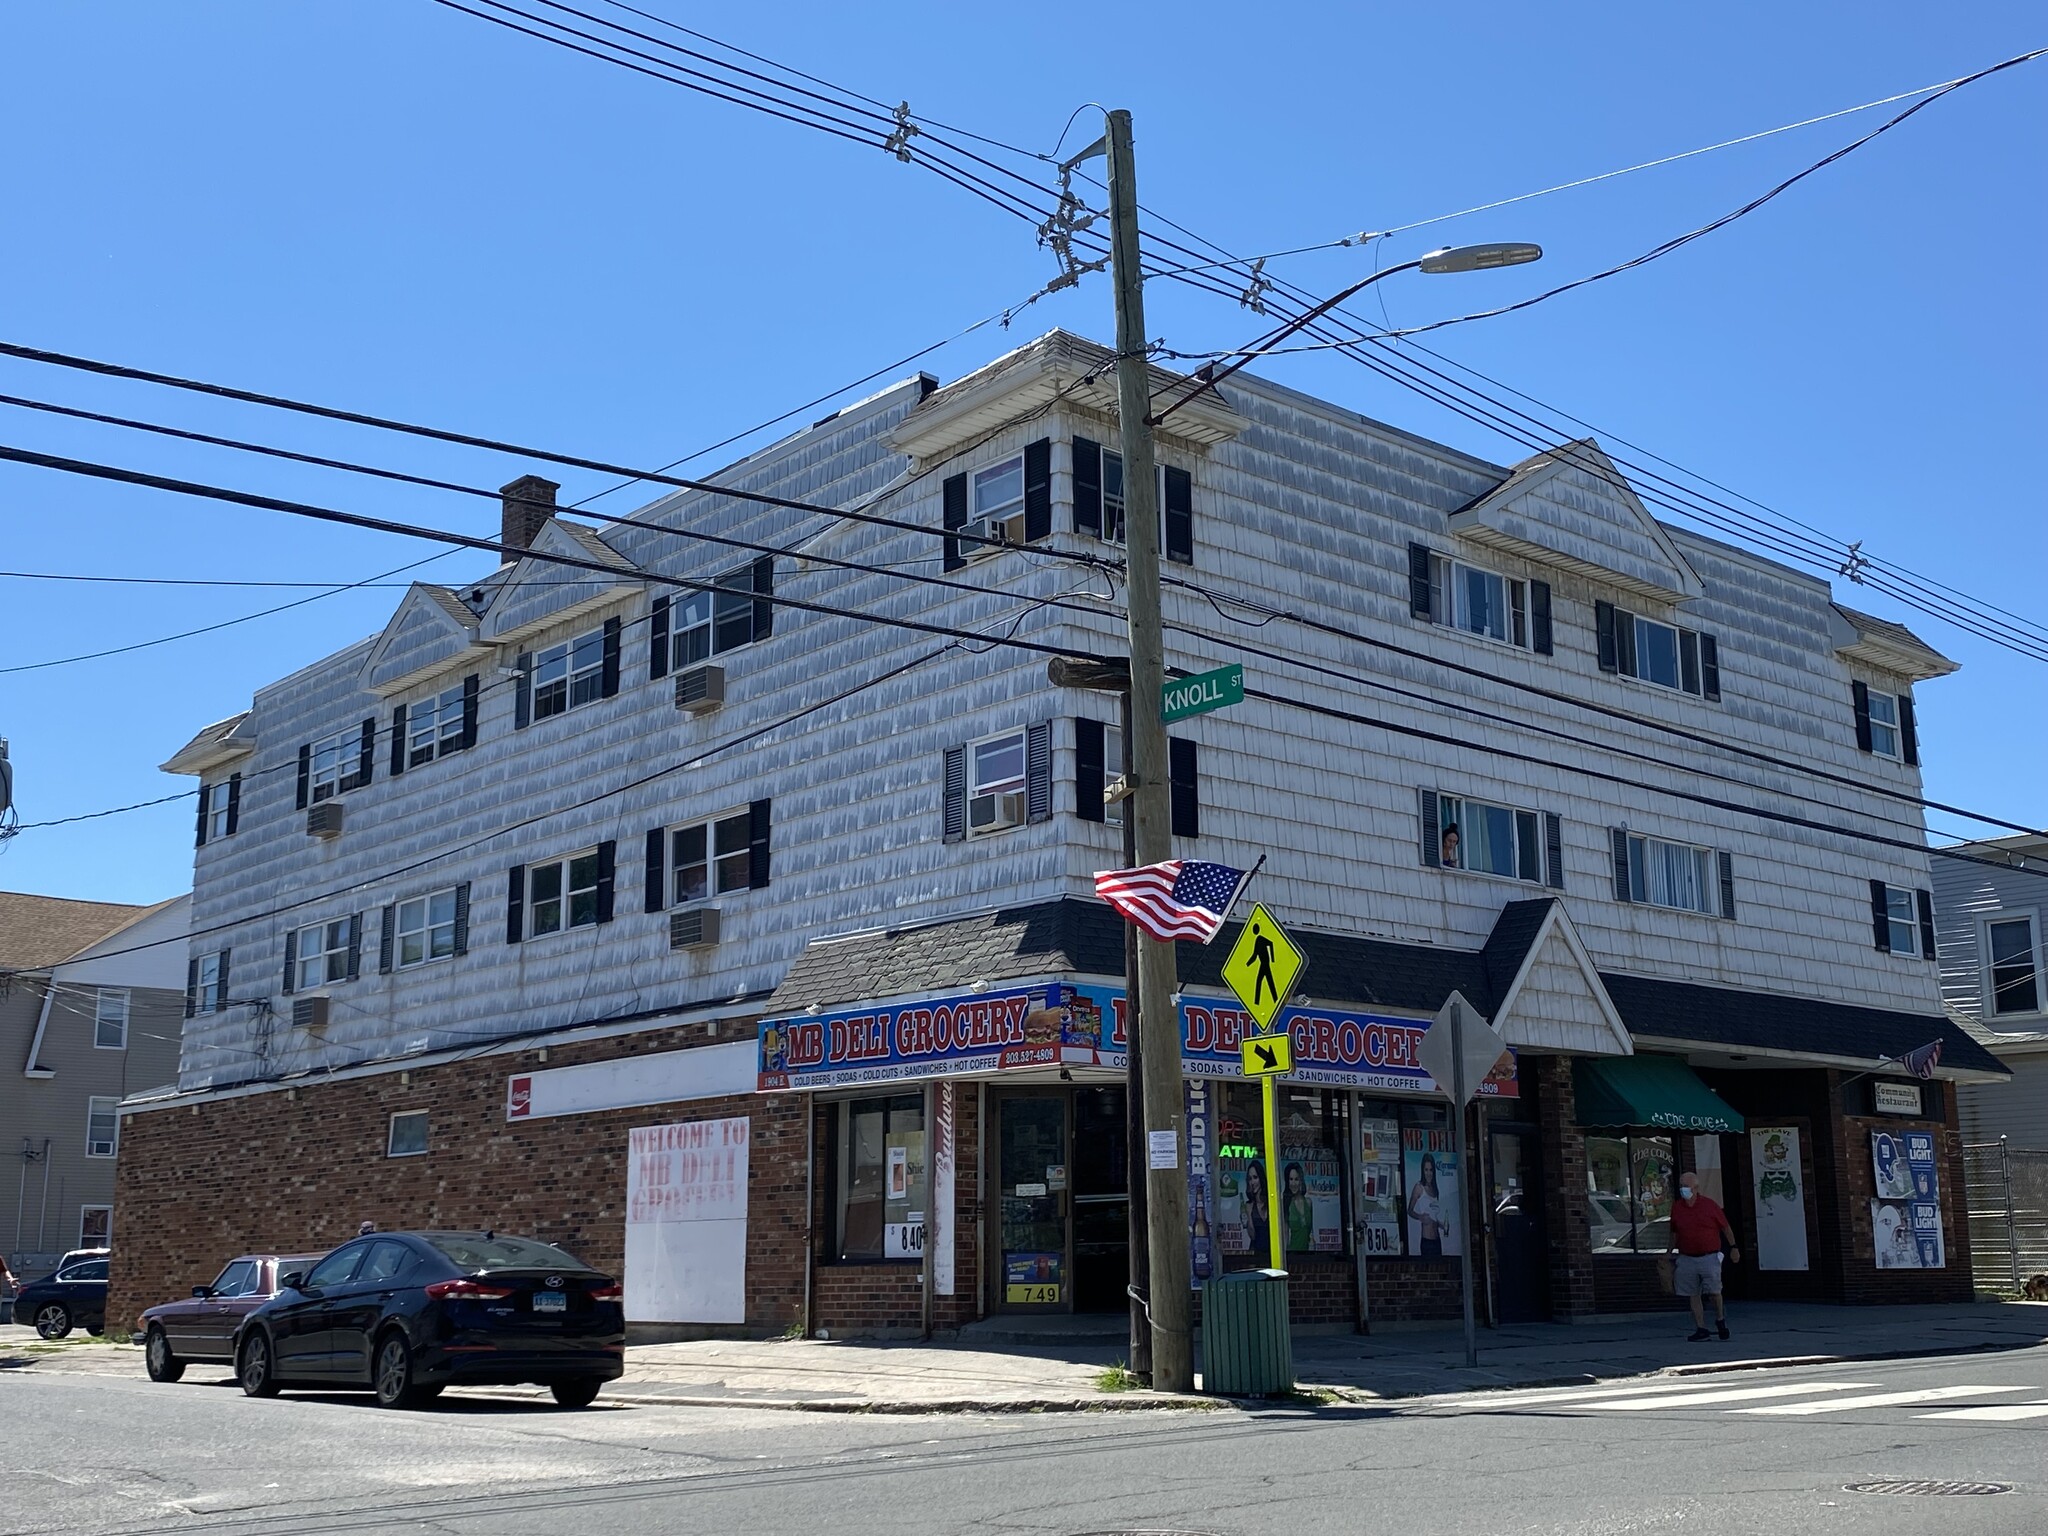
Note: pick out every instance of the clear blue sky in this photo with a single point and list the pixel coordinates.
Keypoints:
(392, 206)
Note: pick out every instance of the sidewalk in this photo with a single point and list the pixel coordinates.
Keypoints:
(1001, 1374)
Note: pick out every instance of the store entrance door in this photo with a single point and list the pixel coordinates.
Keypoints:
(1031, 1129)
(1520, 1243)
(1102, 1206)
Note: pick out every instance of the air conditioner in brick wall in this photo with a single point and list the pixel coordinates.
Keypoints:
(699, 690)
(693, 928)
(310, 1014)
(324, 820)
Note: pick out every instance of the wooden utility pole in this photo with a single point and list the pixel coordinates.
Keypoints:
(1158, 1022)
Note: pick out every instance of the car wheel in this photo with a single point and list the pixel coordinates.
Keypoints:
(53, 1320)
(254, 1367)
(576, 1394)
(156, 1354)
(392, 1374)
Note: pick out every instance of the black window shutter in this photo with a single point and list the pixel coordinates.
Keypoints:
(607, 878)
(235, 801)
(954, 516)
(1926, 901)
(471, 688)
(1726, 862)
(515, 903)
(1184, 780)
(387, 939)
(1859, 700)
(462, 918)
(953, 817)
(1553, 850)
(1427, 815)
(1418, 582)
(657, 640)
(1038, 772)
(1087, 487)
(220, 989)
(655, 880)
(1618, 839)
(757, 845)
(1710, 668)
(305, 774)
(398, 740)
(522, 701)
(192, 986)
(764, 590)
(1603, 628)
(1909, 742)
(1880, 916)
(1089, 769)
(1625, 642)
(355, 945)
(1037, 489)
(608, 669)
(1689, 661)
(291, 960)
(1180, 516)
(366, 755)
(205, 805)
(1539, 618)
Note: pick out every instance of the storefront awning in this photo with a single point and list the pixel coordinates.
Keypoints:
(1648, 1090)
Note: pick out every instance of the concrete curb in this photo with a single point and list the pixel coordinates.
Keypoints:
(1117, 1403)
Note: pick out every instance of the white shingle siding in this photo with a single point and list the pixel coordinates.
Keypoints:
(1311, 509)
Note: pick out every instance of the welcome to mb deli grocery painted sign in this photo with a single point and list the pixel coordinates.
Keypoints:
(1059, 1024)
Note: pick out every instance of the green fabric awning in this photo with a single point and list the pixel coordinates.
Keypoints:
(1659, 1091)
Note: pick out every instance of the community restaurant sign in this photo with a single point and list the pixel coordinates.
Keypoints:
(1058, 1024)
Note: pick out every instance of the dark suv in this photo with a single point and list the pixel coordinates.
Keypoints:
(408, 1313)
(74, 1297)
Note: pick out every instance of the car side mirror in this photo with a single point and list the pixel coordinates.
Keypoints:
(292, 1280)
(202, 1291)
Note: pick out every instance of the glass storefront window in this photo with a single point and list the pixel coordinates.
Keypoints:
(1630, 1181)
(1308, 1188)
(882, 1177)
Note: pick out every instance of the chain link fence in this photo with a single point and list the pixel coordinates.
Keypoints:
(2007, 1190)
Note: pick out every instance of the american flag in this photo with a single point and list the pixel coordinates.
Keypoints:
(1180, 899)
(1921, 1063)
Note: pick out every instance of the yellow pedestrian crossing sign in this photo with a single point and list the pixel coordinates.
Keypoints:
(1267, 1055)
(1263, 967)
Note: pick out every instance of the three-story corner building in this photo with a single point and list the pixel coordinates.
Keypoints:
(745, 938)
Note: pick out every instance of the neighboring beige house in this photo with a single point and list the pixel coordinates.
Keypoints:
(91, 1004)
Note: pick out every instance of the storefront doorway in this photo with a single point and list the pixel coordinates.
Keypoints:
(1064, 1204)
(1521, 1244)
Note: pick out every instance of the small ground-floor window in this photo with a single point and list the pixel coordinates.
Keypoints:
(96, 1226)
(881, 1177)
(1630, 1180)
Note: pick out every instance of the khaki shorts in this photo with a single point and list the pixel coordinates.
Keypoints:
(1698, 1274)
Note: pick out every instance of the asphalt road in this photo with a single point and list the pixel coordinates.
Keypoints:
(1743, 1453)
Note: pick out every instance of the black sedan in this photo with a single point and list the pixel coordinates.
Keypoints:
(408, 1313)
(74, 1297)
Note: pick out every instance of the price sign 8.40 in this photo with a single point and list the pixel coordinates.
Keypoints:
(904, 1239)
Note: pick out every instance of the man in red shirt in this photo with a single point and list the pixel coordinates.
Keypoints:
(1698, 1226)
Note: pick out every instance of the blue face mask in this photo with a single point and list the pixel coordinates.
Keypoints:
(1688, 1193)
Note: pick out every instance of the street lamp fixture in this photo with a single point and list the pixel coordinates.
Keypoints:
(1479, 258)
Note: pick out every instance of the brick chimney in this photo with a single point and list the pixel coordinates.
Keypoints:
(528, 502)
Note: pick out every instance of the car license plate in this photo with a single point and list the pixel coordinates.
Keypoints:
(550, 1301)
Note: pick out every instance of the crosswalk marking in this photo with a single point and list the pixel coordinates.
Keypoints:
(1730, 1395)
(2001, 1413)
(1572, 1397)
(1878, 1400)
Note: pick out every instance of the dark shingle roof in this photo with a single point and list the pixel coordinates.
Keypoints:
(40, 931)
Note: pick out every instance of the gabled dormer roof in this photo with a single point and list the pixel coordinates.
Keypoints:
(1570, 508)
(1887, 646)
(1547, 993)
(537, 592)
(1058, 368)
(432, 630)
(222, 743)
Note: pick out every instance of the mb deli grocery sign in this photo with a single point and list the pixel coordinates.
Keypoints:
(1058, 1024)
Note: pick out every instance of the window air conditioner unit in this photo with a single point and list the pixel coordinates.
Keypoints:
(324, 820)
(700, 690)
(309, 1014)
(1002, 530)
(693, 928)
(992, 813)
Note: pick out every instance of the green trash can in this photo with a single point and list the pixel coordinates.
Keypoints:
(1246, 1348)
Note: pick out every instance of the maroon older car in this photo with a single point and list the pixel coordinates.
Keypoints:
(202, 1329)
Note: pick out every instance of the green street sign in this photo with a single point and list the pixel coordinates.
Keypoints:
(1201, 693)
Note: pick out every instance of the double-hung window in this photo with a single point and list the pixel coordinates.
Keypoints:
(568, 674)
(206, 983)
(998, 492)
(434, 727)
(995, 770)
(691, 628)
(1653, 871)
(335, 764)
(2013, 952)
(1100, 500)
(1492, 839)
(321, 953)
(102, 1127)
(713, 857)
(1481, 602)
(423, 929)
(563, 893)
(218, 804)
(1652, 651)
(1895, 911)
(110, 1019)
